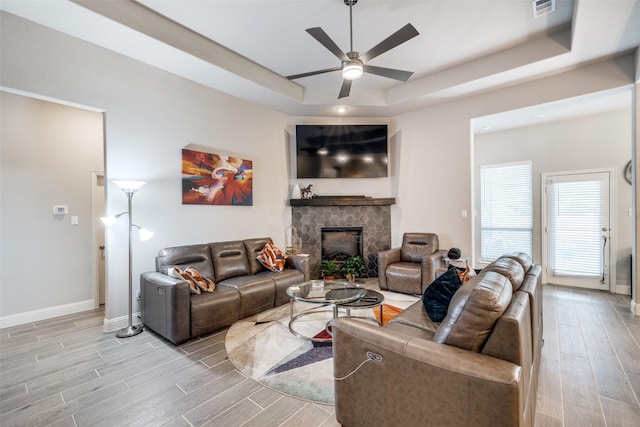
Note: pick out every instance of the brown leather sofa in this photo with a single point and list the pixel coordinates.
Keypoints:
(410, 268)
(478, 367)
(243, 287)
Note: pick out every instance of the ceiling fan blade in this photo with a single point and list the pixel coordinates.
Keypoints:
(402, 35)
(345, 89)
(313, 73)
(319, 34)
(388, 72)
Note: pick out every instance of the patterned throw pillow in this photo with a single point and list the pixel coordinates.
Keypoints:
(202, 282)
(271, 257)
(465, 274)
(176, 273)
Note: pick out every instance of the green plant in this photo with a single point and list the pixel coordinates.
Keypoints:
(352, 268)
(328, 268)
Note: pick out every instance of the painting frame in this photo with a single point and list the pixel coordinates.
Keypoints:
(216, 179)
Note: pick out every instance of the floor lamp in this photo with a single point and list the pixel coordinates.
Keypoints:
(129, 188)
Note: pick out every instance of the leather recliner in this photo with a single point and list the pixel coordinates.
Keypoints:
(411, 268)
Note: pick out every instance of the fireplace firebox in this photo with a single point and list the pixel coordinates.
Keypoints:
(340, 243)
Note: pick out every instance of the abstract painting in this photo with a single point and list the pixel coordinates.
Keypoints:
(214, 179)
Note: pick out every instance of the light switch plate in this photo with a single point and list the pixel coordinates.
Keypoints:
(74, 220)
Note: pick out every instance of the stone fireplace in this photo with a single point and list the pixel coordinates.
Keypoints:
(372, 216)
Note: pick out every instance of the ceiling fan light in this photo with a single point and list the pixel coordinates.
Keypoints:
(352, 70)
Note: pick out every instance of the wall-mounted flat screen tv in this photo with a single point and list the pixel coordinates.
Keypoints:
(341, 151)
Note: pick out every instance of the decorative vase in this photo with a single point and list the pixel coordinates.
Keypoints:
(295, 192)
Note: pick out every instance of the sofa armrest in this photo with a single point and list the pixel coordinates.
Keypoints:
(300, 263)
(431, 383)
(385, 258)
(166, 306)
(430, 265)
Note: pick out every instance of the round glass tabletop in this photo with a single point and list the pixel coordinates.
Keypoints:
(323, 292)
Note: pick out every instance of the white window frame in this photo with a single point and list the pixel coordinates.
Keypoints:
(483, 257)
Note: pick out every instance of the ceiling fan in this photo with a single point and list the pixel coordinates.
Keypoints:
(354, 64)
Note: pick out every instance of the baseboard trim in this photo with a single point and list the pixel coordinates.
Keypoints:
(623, 289)
(117, 323)
(45, 313)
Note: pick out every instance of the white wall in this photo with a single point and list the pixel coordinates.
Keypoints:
(589, 142)
(150, 116)
(436, 148)
(373, 187)
(48, 153)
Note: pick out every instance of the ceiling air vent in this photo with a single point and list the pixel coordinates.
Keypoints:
(542, 7)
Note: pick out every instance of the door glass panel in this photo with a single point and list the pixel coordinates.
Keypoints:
(577, 218)
(577, 228)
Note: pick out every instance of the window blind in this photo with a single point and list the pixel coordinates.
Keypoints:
(506, 216)
(576, 228)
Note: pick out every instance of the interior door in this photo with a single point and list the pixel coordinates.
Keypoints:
(577, 229)
(100, 240)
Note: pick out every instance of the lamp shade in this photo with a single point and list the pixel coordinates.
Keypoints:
(145, 234)
(129, 186)
(109, 220)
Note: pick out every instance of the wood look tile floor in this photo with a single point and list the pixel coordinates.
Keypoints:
(67, 372)
(590, 369)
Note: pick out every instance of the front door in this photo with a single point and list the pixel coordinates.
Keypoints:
(577, 229)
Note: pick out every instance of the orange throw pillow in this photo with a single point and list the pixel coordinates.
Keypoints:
(202, 282)
(271, 257)
(466, 274)
(176, 273)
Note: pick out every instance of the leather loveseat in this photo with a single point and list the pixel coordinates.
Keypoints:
(243, 287)
(478, 367)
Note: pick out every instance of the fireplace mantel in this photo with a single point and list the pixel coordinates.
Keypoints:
(343, 201)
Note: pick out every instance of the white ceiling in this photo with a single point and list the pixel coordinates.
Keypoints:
(245, 48)
(595, 103)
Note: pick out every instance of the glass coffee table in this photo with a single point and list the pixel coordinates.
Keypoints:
(370, 300)
(332, 293)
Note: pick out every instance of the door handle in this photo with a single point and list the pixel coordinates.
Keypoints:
(604, 264)
(101, 247)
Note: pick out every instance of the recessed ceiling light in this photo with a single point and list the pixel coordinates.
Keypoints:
(342, 109)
